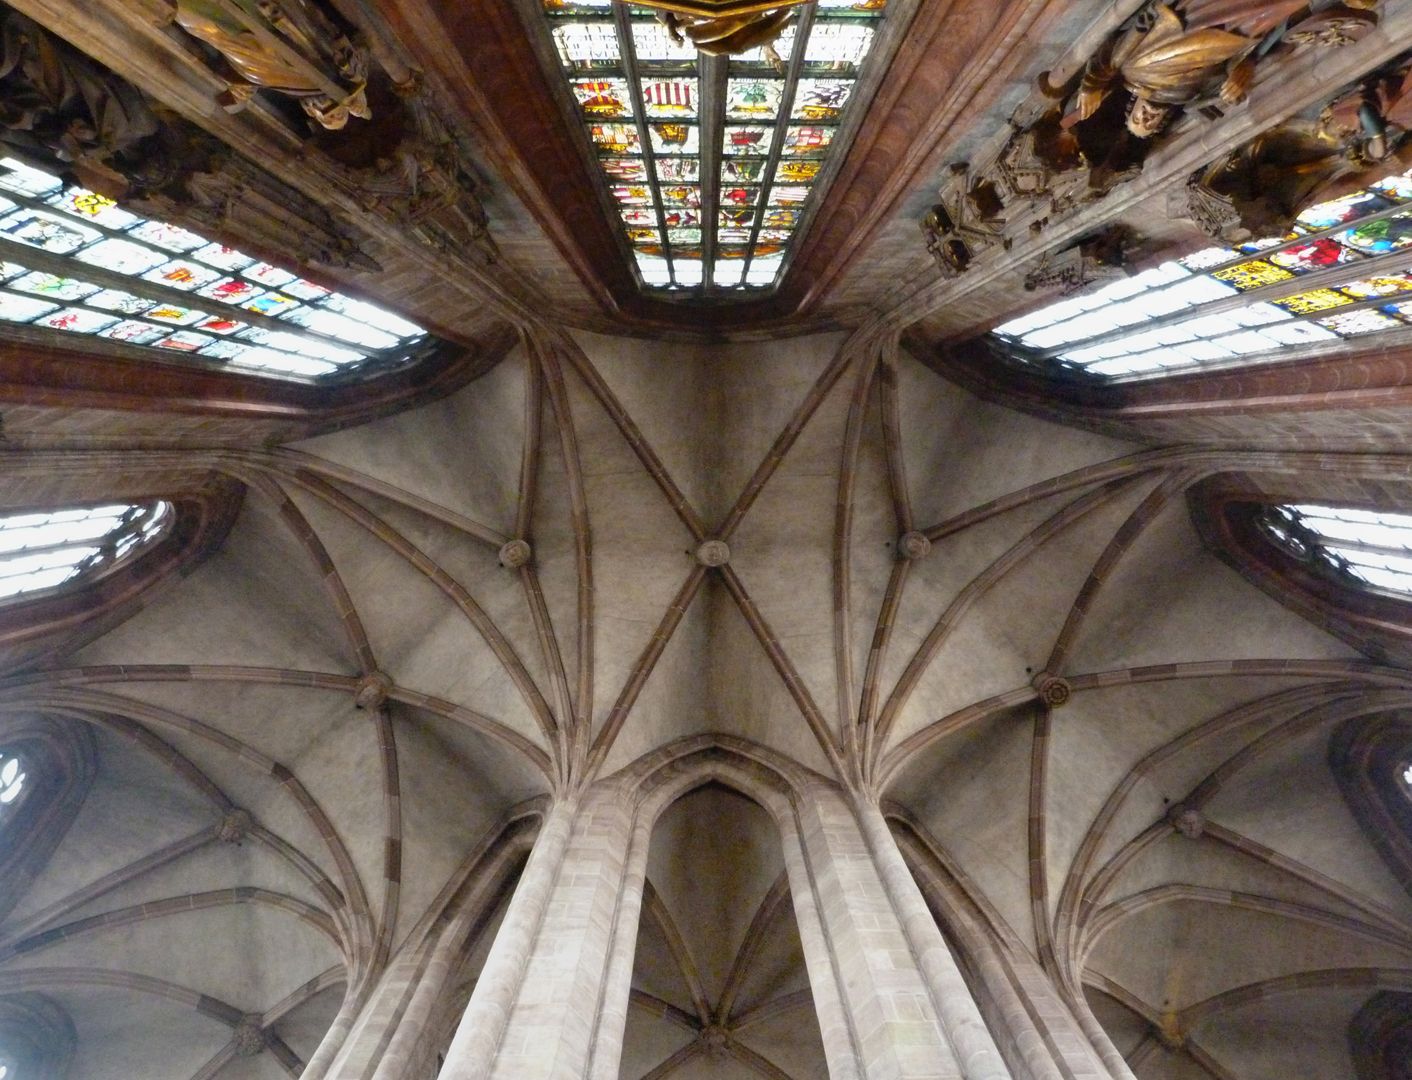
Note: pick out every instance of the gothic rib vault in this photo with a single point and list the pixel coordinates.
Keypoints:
(1247, 943)
(628, 693)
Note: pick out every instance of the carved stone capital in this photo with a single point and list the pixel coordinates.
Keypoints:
(236, 826)
(1169, 1037)
(249, 1036)
(913, 546)
(1187, 820)
(716, 1039)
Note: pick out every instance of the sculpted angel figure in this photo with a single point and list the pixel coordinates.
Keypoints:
(733, 34)
(1209, 49)
(1269, 181)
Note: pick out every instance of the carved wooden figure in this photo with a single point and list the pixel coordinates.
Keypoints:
(288, 46)
(1261, 188)
(1168, 60)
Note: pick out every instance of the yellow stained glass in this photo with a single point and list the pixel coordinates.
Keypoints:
(1314, 300)
(1252, 274)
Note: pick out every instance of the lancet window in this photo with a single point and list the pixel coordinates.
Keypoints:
(73, 260)
(1369, 548)
(712, 162)
(43, 551)
(1343, 272)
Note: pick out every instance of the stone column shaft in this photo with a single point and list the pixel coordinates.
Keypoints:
(535, 1012)
(908, 1013)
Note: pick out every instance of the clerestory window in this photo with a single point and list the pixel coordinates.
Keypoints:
(73, 260)
(711, 162)
(1368, 548)
(40, 552)
(1343, 272)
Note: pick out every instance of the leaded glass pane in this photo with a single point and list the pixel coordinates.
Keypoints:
(39, 551)
(772, 129)
(12, 781)
(1367, 547)
(1331, 278)
(55, 226)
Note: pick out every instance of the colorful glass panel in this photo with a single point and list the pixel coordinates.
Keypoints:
(56, 225)
(667, 155)
(1191, 311)
(754, 99)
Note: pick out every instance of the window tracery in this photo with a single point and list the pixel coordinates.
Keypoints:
(44, 550)
(711, 177)
(73, 260)
(1342, 272)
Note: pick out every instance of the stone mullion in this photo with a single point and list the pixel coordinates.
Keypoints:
(841, 1050)
(382, 1040)
(613, 1001)
(1030, 1017)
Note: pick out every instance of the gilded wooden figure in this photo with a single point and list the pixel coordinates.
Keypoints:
(287, 46)
(1170, 61)
(727, 27)
(1259, 189)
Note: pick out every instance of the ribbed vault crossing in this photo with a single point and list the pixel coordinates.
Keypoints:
(1103, 750)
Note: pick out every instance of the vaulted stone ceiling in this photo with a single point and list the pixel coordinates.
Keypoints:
(329, 737)
(376, 549)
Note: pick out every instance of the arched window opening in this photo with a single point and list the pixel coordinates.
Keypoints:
(1369, 548)
(42, 551)
(1342, 272)
(12, 782)
(73, 260)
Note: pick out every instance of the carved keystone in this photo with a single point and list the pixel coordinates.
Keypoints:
(515, 554)
(713, 553)
(236, 826)
(1052, 690)
(1168, 1035)
(1190, 822)
(715, 1038)
(372, 691)
(913, 546)
(249, 1036)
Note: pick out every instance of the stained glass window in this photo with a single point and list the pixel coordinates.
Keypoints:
(1368, 547)
(12, 782)
(74, 260)
(41, 551)
(711, 163)
(1340, 273)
